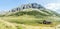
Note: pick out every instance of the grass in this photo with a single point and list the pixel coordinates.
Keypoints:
(8, 25)
(26, 22)
(23, 19)
(27, 19)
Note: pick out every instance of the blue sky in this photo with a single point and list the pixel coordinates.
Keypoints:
(9, 4)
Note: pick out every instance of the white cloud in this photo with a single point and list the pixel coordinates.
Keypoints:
(53, 6)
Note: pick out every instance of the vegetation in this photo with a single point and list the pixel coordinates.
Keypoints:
(30, 18)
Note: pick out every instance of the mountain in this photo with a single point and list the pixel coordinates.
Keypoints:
(33, 9)
(30, 16)
(35, 12)
(26, 6)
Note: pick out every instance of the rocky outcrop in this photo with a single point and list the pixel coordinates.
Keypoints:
(26, 6)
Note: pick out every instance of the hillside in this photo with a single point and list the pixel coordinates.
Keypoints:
(33, 9)
(30, 16)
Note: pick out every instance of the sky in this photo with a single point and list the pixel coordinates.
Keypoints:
(10, 4)
(6, 5)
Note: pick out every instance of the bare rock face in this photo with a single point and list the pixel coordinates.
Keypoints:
(26, 6)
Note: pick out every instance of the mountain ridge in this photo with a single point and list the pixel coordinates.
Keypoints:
(27, 6)
(30, 8)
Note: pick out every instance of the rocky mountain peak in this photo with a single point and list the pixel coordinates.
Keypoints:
(26, 6)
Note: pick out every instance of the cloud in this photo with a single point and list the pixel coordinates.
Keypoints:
(53, 6)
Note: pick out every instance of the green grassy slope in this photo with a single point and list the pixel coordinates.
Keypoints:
(33, 16)
(29, 18)
(26, 22)
(34, 12)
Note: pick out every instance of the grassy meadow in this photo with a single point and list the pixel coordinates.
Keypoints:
(26, 22)
(30, 19)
